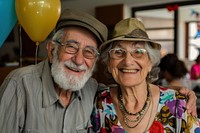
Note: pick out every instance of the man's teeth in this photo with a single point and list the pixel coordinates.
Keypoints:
(77, 70)
(73, 69)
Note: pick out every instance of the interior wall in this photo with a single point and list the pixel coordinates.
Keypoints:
(84, 5)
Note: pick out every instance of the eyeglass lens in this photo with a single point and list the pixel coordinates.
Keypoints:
(72, 48)
(119, 53)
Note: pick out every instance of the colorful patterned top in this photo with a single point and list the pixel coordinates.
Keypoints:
(171, 115)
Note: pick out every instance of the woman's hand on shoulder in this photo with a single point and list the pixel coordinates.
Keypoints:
(191, 103)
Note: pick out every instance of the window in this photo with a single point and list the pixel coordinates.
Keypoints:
(193, 40)
(160, 28)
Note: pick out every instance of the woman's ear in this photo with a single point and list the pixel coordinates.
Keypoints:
(50, 49)
(150, 66)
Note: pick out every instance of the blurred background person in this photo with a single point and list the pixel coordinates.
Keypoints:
(173, 72)
(195, 69)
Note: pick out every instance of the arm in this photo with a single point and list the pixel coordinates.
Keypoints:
(191, 123)
(191, 104)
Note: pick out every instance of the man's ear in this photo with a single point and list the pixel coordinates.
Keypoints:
(50, 49)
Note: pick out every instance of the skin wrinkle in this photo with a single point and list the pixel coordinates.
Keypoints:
(71, 71)
(130, 90)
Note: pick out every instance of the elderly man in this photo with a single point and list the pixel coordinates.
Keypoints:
(57, 94)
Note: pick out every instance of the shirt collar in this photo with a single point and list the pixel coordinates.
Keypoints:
(49, 92)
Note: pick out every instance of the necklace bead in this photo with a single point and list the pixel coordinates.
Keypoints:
(136, 117)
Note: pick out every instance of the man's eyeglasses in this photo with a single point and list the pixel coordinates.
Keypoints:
(71, 47)
(120, 53)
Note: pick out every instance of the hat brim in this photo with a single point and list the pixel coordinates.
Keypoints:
(122, 38)
(64, 23)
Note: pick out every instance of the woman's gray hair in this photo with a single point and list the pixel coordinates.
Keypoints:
(154, 56)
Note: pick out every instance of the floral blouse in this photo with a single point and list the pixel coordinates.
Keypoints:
(171, 115)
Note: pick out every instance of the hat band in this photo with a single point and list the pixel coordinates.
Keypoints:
(137, 33)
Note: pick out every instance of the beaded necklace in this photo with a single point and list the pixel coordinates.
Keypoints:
(136, 117)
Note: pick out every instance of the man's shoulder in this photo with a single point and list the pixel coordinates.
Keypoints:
(93, 86)
(24, 71)
(90, 87)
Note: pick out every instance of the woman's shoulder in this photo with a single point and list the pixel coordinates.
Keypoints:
(167, 94)
(103, 91)
(102, 88)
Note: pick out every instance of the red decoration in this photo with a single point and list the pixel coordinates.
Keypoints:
(172, 7)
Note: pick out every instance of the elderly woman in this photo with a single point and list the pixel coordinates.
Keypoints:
(132, 104)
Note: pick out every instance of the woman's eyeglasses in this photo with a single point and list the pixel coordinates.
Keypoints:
(120, 53)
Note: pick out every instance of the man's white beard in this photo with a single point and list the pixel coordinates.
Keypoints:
(67, 81)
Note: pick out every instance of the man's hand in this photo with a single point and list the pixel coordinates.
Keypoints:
(191, 104)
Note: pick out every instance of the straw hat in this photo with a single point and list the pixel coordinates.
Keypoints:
(130, 29)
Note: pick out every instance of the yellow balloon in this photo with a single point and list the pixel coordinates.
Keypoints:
(38, 17)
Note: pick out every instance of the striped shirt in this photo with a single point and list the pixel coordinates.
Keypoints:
(29, 103)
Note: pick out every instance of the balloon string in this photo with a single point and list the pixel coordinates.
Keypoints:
(36, 52)
(20, 45)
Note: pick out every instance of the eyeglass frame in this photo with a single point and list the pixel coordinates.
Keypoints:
(77, 49)
(131, 52)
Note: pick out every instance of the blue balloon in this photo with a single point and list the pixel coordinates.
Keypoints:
(8, 18)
